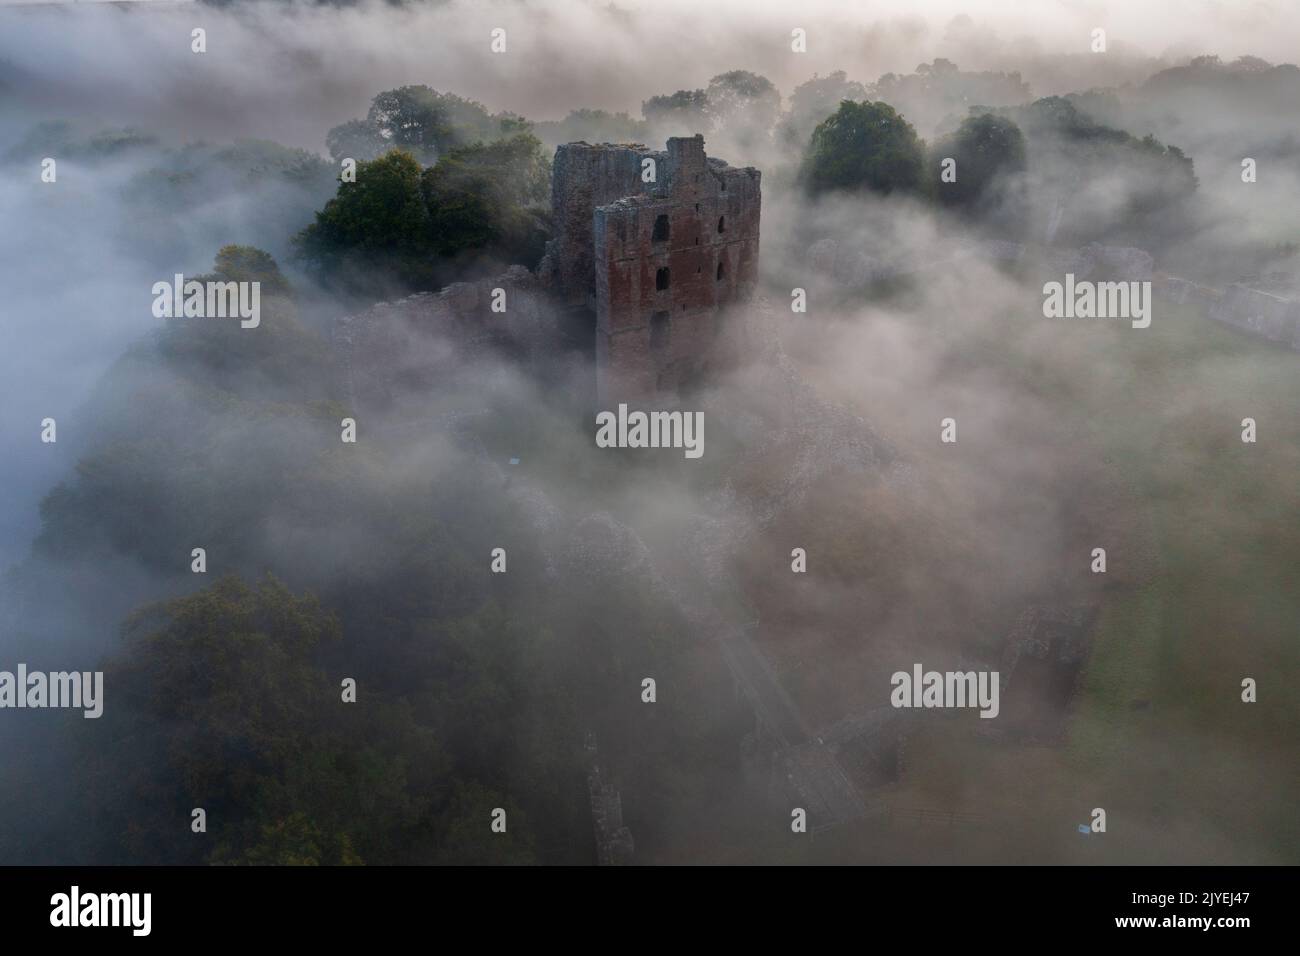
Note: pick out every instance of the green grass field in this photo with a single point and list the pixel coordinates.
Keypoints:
(1203, 540)
(1220, 603)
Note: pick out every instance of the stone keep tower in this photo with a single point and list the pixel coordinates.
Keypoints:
(656, 262)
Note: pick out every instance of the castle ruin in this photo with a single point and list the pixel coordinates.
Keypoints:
(652, 248)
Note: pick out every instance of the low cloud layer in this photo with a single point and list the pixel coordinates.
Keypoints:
(826, 440)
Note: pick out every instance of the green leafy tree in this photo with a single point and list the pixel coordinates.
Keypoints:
(249, 264)
(864, 146)
(812, 102)
(487, 198)
(381, 220)
(296, 840)
(282, 359)
(468, 840)
(212, 691)
(222, 703)
(419, 227)
(985, 148)
(517, 168)
(422, 121)
(1146, 184)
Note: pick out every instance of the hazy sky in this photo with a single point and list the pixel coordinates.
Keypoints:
(292, 72)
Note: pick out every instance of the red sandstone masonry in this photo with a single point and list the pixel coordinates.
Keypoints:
(604, 259)
(655, 331)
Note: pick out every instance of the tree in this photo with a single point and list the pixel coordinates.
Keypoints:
(284, 358)
(62, 138)
(985, 147)
(379, 221)
(295, 840)
(422, 121)
(401, 223)
(428, 122)
(1250, 64)
(212, 691)
(356, 139)
(813, 101)
(683, 113)
(939, 90)
(1097, 176)
(485, 198)
(864, 146)
(249, 264)
(743, 99)
(467, 839)
(517, 168)
(222, 703)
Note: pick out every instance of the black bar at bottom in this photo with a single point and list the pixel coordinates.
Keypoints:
(327, 906)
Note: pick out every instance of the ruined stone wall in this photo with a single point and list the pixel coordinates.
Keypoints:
(410, 344)
(614, 842)
(584, 177)
(667, 263)
(1261, 313)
